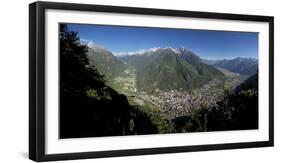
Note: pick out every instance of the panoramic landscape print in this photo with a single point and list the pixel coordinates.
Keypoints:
(121, 80)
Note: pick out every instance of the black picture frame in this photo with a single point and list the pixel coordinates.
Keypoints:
(37, 80)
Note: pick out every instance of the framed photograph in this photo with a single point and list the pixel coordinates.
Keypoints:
(118, 81)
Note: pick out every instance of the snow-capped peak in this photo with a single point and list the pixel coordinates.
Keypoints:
(146, 51)
(178, 51)
(246, 58)
(93, 45)
(138, 52)
(96, 46)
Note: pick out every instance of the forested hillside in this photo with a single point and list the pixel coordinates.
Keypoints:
(154, 91)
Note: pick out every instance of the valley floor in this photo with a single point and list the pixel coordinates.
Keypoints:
(176, 103)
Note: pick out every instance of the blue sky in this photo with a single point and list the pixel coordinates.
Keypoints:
(204, 43)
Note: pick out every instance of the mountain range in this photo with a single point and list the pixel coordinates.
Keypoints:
(245, 66)
(157, 68)
(166, 68)
(169, 68)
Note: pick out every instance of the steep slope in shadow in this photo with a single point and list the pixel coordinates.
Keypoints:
(88, 107)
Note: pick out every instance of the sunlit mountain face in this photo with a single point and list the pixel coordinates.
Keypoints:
(113, 86)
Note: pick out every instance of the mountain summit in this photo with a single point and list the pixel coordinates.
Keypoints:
(156, 68)
(170, 68)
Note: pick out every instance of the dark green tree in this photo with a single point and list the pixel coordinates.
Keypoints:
(75, 71)
(88, 107)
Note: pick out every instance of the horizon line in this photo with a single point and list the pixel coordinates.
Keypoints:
(142, 51)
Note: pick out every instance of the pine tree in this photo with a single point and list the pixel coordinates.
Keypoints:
(76, 72)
